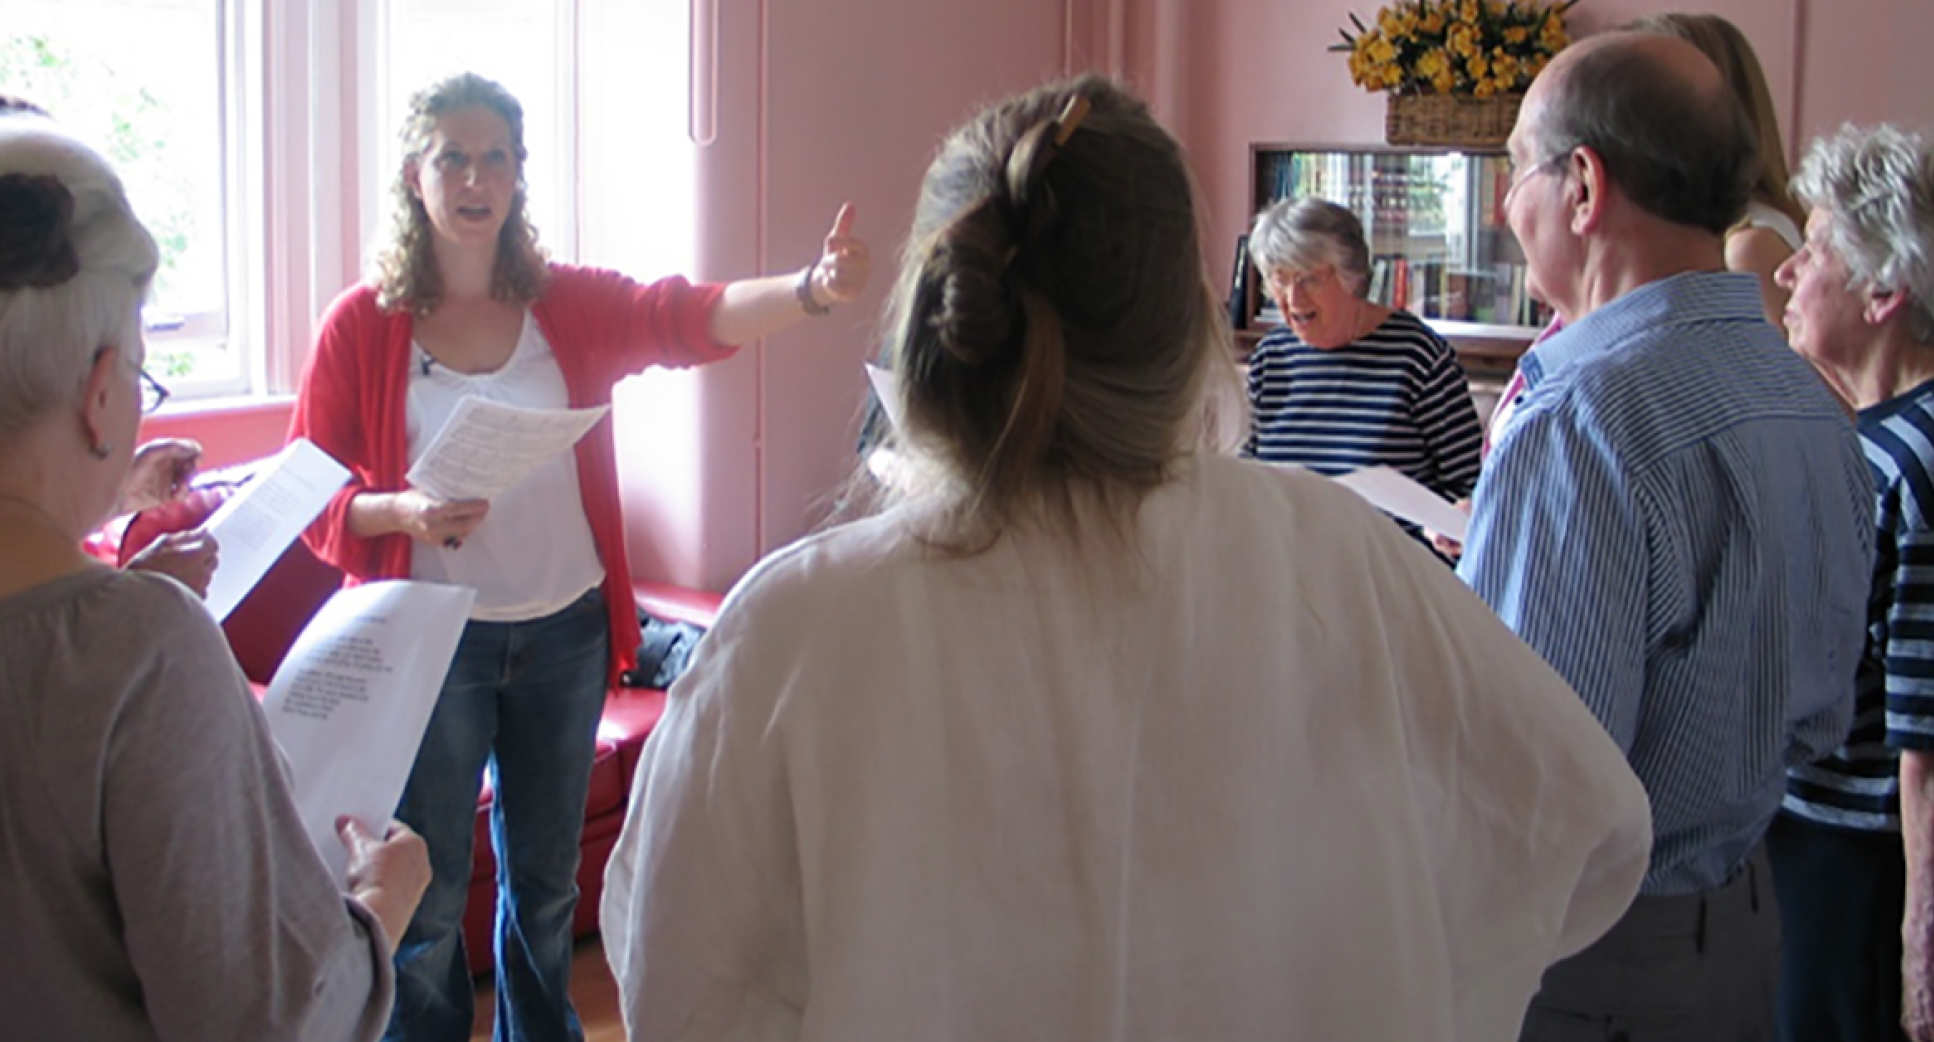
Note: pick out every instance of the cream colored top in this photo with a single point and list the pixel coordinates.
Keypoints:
(1274, 773)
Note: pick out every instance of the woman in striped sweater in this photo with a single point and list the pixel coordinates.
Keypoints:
(1347, 382)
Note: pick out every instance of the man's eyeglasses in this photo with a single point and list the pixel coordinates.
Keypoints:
(1519, 177)
(152, 393)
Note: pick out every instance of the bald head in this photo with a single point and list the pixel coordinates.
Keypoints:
(1673, 137)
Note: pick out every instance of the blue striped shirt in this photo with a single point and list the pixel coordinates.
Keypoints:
(1681, 522)
(1858, 786)
(1395, 397)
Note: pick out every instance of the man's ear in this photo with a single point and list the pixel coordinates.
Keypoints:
(1586, 182)
(1884, 305)
(97, 394)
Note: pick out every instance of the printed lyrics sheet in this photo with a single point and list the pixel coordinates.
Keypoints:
(486, 447)
(349, 704)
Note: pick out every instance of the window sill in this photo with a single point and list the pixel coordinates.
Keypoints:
(231, 428)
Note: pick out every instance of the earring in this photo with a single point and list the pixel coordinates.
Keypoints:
(100, 450)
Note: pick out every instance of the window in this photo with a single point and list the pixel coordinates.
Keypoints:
(258, 142)
(149, 95)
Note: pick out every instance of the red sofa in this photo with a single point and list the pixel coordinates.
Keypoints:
(265, 624)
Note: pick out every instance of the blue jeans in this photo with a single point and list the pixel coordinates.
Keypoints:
(523, 698)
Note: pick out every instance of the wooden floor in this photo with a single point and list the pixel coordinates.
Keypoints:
(592, 991)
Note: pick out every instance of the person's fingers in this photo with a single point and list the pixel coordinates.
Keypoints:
(842, 225)
(354, 835)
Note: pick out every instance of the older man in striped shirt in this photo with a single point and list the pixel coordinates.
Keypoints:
(1679, 519)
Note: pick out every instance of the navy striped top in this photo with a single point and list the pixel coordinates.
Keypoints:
(1858, 785)
(1680, 520)
(1396, 397)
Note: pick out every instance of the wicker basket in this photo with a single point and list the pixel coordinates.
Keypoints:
(1450, 119)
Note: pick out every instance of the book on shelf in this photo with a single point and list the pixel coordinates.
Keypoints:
(1238, 301)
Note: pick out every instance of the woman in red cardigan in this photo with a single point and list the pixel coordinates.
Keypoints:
(464, 305)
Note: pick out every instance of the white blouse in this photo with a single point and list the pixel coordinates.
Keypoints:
(1267, 771)
(532, 555)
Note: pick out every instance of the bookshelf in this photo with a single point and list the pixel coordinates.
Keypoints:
(1439, 244)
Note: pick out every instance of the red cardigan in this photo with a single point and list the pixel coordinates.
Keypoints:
(601, 326)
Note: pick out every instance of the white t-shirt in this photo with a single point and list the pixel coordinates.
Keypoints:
(533, 553)
(1272, 772)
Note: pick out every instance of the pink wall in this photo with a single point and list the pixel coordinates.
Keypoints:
(1865, 61)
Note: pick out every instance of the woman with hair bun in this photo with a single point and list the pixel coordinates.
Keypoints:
(1091, 731)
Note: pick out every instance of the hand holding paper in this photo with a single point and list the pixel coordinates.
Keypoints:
(387, 872)
(260, 521)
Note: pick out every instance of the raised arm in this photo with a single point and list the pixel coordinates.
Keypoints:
(753, 308)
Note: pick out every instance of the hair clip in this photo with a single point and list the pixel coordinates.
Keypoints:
(1070, 119)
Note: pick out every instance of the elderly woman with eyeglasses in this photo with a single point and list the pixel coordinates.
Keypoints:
(1853, 847)
(158, 883)
(1349, 383)
(160, 470)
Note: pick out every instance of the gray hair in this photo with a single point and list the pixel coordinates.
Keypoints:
(1877, 187)
(1680, 152)
(75, 264)
(1303, 234)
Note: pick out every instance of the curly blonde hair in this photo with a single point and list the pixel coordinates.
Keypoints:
(406, 271)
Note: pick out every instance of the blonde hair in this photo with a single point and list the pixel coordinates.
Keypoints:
(406, 272)
(1727, 47)
(1052, 325)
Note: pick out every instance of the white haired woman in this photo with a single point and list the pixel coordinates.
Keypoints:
(1348, 383)
(159, 884)
(1853, 849)
(1091, 733)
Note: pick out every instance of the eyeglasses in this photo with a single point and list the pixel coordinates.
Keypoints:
(152, 393)
(1304, 282)
(1519, 177)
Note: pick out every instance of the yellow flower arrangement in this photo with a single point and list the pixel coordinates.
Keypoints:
(1475, 47)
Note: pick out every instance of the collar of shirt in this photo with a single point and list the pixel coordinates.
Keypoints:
(1682, 299)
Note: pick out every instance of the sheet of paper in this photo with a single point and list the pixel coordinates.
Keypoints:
(264, 516)
(486, 447)
(1391, 491)
(349, 703)
(886, 387)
